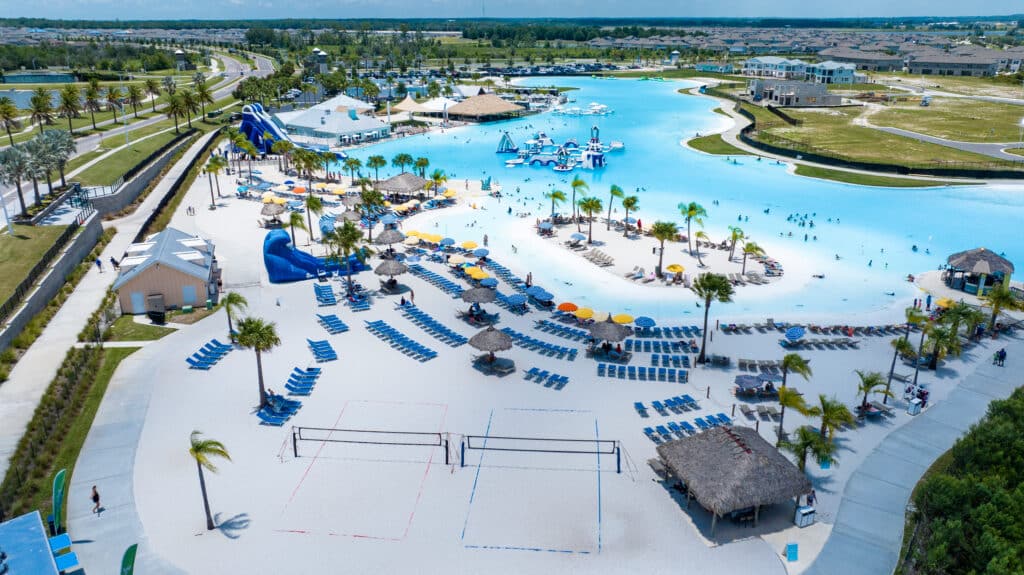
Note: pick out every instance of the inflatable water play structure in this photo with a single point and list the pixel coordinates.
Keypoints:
(286, 264)
(541, 150)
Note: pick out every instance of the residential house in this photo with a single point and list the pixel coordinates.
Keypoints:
(874, 61)
(792, 93)
(831, 72)
(775, 67)
(171, 266)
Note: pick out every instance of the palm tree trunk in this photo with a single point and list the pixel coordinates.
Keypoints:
(625, 224)
(689, 238)
(92, 115)
(744, 271)
(63, 183)
(35, 189)
(888, 384)
(609, 220)
(293, 234)
(309, 218)
(661, 256)
(259, 371)
(206, 501)
(917, 360)
(782, 418)
(231, 328)
(70, 129)
(21, 198)
(153, 102)
(702, 358)
(213, 201)
(9, 136)
(590, 232)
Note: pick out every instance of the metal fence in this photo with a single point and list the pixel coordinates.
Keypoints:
(23, 288)
(99, 191)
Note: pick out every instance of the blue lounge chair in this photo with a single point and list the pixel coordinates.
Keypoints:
(640, 409)
(600, 369)
(686, 426)
(724, 419)
(657, 405)
(298, 390)
(66, 562)
(703, 425)
(664, 432)
(223, 345)
(533, 371)
(676, 429)
(268, 419)
(195, 364)
(651, 435)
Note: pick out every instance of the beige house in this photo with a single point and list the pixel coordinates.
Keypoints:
(169, 270)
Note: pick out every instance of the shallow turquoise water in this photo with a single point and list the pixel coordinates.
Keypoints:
(651, 119)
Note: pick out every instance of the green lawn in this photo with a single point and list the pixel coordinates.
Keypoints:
(1016, 151)
(714, 144)
(18, 253)
(721, 111)
(868, 180)
(113, 167)
(863, 87)
(125, 328)
(943, 463)
(1003, 86)
(956, 119)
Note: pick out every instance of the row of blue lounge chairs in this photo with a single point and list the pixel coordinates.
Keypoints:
(400, 342)
(437, 280)
(322, 350)
(677, 404)
(332, 324)
(552, 380)
(667, 360)
(657, 346)
(562, 330)
(675, 332)
(543, 347)
(512, 306)
(660, 434)
(506, 274)
(302, 381)
(642, 373)
(324, 294)
(432, 326)
(208, 355)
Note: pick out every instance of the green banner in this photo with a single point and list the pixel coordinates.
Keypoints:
(128, 561)
(58, 497)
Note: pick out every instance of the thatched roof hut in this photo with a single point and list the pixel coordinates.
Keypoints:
(727, 469)
(484, 107)
(407, 184)
(980, 261)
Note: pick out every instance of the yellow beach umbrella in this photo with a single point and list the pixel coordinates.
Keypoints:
(435, 238)
(945, 303)
(471, 270)
(600, 315)
(411, 241)
(412, 233)
(622, 318)
(320, 186)
(456, 260)
(400, 208)
(470, 245)
(449, 194)
(280, 201)
(584, 313)
(675, 269)
(413, 202)
(269, 199)
(481, 276)
(387, 204)
(270, 194)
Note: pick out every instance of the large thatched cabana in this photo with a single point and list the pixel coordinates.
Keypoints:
(976, 271)
(729, 469)
(407, 185)
(483, 108)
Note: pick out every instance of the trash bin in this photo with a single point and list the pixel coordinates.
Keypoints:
(914, 407)
(209, 303)
(804, 516)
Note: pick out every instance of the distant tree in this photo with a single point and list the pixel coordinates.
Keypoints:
(663, 231)
(153, 89)
(93, 101)
(69, 104)
(692, 212)
(375, 163)
(629, 204)
(40, 107)
(590, 206)
(613, 192)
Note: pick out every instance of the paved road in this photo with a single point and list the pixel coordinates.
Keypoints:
(991, 150)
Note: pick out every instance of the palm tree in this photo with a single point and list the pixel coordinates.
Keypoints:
(352, 164)
(663, 231)
(203, 95)
(170, 86)
(700, 235)
(175, 108)
(629, 204)
(62, 145)
(422, 164)
(15, 166)
(203, 450)
(369, 200)
(375, 163)
(750, 249)
(956, 315)
(871, 382)
(735, 235)
(37, 164)
(692, 212)
(925, 330)
(93, 101)
(343, 243)
(259, 336)
(913, 317)
(833, 415)
(578, 185)
(590, 206)
(313, 206)
(153, 89)
(215, 166)
(794, 362)
(1000, 298)
(613, 192)
(807, 442)
(233, 303)
(40, 107)
(900, 347)
(113, 100)
(9, 116)
(69, 104)
(556, 197)
(710, 287)
(284, 149)
(134, 97)
(975, 318)
(295, 221)
(400, 161)
(942, 342)
(190, 104)
(792, 399)
(438, 178)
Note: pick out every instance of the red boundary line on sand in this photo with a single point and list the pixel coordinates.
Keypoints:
(423, 480)
(306, 473)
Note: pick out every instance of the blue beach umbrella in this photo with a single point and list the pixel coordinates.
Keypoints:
(243, 188)
(644, 321)
(534, 290)
(388, 219)
(447, 242)
(257, 172)
(481, 252)
(489, 282)
(544, 225)
(516, 299)
(289, 182)
(578, 237)
(630, 220)
(543, 296)
(795, 333)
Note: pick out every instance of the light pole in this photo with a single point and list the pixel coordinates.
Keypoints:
(7, 217)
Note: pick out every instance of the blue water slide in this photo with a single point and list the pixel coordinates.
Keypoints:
(287, 264)
(256, 123)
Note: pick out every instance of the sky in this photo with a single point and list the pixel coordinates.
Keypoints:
(247, 9)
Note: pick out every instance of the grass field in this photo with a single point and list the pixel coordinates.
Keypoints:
(862, 87)
(18, 253)
(125, 328)
(109, 170)
(1016, 151)
(956, 119)
(714, 144)
(867, 179)
(999, 86)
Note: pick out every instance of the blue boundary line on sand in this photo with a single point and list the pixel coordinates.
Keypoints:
(472, 494)
(597, 436)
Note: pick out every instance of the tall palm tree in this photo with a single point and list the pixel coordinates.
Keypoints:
(190, 103)
(578, 185)
(792, 399)
(956, 315)
(203, 451)
(900, 347)
(313, 206)
(284, 149)
(437, 179)
(343, 243)
(38, 164)
(974, 318)
(9, 117)
(113, 99)
(15, 170)
(735, 235)
(134, 97)
(629, 204)
(93, 101)
(153, 89)
(402, 160)
(203, 95)
(215, 166)
(1000, 299)
(613, 192)
(871, 382)
(750, 249)
(913, 316)
(710, 287)
(369, 200)
(700, 235)
(796, 363)
(942, 342)
(40, 107)
(590, 206)
(295, 221)
(422, 164)
(261, 337)
(69, 104)
(352, 164)
(175, 109)
(375, 163)
(233, 303)
(556, 197)
(62, 145)
(663, 231)
(926, 328)
(692, 212)
(833, 415)
(807, 442)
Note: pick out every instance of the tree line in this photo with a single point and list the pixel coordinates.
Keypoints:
(86, 56)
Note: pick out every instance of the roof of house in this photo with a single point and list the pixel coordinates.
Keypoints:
(954, 59)
(776, 60)
(833, 65)
(483, 105)
(173, 248)
(731, 468)
(842, 52)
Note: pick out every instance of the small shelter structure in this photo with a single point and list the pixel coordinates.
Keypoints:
(407, 185)
(412, 106)
(976, 271)
(483, 108)
(177, 268)
(729, 469)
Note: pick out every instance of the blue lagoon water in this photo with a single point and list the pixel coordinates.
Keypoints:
(651, 118)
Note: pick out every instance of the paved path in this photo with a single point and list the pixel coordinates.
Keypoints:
(868, 533)
(20, 394)
(991, 150)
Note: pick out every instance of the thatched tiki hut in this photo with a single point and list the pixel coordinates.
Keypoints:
(729, 469)
(976, 271)
(406, 186)
(484, 108)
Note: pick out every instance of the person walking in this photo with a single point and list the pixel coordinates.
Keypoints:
(1001, 354)
(99, 264)
(95, 500)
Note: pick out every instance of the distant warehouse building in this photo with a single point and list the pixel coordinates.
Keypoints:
(790, 93)
(873, 61)
(949, 65)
